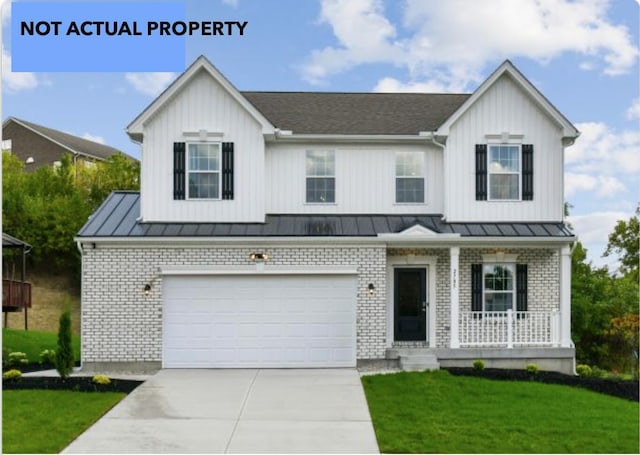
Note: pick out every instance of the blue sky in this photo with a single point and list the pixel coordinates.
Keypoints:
(582, 54)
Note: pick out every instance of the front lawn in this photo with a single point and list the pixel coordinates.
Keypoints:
(32, 342)
(438, 412)
(46, 421)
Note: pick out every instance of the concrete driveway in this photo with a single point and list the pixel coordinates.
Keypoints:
(237, 411)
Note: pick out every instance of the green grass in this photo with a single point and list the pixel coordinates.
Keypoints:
(438, 412)
(46, 421)
(32, 342)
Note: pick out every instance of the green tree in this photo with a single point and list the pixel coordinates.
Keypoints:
(625, 242)
(64, 353)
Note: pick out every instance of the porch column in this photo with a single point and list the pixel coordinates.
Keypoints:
(454, 279)
(565, 297)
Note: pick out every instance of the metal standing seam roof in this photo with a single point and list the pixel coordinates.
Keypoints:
(118, 217)
(356, 113)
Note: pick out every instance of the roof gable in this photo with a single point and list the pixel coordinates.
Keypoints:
(73, 144)
(135, 128)
(507, 68)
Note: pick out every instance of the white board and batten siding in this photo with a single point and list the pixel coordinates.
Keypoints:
(259, 321)
(365, 179)
(202, 104)
(504, 107)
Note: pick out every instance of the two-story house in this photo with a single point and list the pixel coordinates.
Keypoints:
(335, 229)
(37, 145)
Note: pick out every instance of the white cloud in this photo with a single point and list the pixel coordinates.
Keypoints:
(448, 43)
(15, 82)
(150, 83)
(392, 85)
(633, 113)
(602, 149)
(91, 137)
(602, 185)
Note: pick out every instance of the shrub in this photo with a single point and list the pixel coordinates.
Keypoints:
(64, 354)
(478, 365)
(17, 358)
(532, 368)
(11, 374)
(101, 379)
(584, 371)
(597, 372)
(48, 356)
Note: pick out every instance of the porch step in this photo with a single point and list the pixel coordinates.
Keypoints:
(419, 362)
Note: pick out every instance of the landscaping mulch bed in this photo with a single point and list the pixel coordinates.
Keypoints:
(34, 366)
(78, 384)
(616, 387)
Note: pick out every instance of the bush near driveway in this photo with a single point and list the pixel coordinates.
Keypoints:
(438, 412)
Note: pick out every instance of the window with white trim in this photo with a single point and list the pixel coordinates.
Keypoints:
(320, 176)
(203, 170)
(410, 177)
(499, 290)
(6, 145)
(504, 172)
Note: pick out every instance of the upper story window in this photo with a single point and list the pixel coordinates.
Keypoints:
(409, 177)
(203, 170)
(499, 287)
(321, 176)
(6, 145)
(504, 172)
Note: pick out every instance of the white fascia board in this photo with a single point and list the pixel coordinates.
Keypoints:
(392, 240)
(569, 131)
(257, 269)
(350, 138)
(135, 128)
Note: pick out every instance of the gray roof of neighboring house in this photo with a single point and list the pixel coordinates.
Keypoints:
(356, 113)
(118, 217)
(75, 143)
(9, 241)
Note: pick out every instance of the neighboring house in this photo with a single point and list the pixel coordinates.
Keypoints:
(335, 229)
(38, 146)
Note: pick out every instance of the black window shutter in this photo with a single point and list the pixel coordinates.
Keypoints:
(521, 287)
(227, 170)
(179, 161)
(481, 172)
(476, 287)
(527, 172)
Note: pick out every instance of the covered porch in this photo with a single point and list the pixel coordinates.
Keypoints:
(16, 291)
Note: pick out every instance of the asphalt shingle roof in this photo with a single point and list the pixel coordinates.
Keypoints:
(118, 217)
(78, 144)
(356, 113)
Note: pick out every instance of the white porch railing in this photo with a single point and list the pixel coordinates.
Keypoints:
(509, 329)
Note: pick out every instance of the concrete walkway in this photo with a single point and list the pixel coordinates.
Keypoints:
(237, 411)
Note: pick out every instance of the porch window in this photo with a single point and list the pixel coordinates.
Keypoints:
(499, 287)
(409, 177)
(321, 176)
(203, 167)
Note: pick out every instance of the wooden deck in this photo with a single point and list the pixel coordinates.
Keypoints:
(15, 295)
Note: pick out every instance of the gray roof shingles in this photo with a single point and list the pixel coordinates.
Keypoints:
(118, 217)
(75, 143)
(356, 113)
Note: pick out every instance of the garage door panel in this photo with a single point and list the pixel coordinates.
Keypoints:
(259, 321)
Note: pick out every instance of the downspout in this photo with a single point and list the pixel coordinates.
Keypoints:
(445, 196)
(79, 245)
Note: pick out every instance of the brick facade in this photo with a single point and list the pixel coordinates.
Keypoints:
(120, 324)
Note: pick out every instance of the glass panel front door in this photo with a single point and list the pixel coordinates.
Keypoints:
(410, 302)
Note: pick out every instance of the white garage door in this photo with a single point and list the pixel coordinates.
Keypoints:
(249, 321)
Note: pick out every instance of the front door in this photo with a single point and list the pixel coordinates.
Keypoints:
(410, 302)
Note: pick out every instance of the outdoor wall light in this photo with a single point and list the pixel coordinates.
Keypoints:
(371, 288)
(259, 257)
(147, 290)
